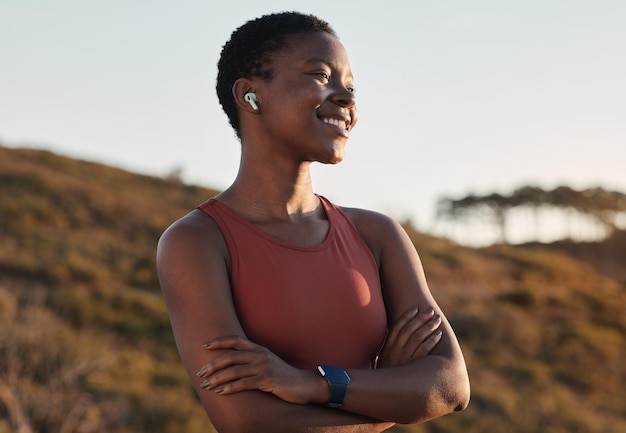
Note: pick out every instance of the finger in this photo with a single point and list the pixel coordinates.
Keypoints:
(225, 378)
(422, 334)
(230, 358)
(397, 327)
(428, 344)
(407, 333)
(236, 342)
(422, 329)
(243, 384)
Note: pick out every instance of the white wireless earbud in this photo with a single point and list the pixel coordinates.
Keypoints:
(251, 99)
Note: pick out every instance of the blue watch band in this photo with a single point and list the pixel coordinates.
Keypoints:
(338, 380)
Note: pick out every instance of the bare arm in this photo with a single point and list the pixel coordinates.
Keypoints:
(193, 270)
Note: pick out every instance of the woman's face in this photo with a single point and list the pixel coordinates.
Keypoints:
(308, 106)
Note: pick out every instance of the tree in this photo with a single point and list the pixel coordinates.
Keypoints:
(603, 206)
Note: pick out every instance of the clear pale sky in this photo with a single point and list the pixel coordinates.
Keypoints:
(454, 96)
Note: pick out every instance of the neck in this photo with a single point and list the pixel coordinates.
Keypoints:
(274, 191)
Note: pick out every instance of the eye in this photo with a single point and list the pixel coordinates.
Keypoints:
(323, 75)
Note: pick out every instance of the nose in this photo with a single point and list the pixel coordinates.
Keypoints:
(343, 96)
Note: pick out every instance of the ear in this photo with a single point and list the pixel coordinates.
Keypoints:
(240, 88)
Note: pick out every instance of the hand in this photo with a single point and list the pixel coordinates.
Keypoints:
(245, 365)
(414, 335)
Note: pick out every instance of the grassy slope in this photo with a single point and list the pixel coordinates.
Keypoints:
(543, 333)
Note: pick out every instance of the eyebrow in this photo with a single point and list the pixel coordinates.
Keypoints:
(321, 60)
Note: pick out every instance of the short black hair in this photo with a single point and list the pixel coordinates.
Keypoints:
(249, 52)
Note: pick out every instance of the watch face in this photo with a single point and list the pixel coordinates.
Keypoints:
(338, 380)
(334, 374)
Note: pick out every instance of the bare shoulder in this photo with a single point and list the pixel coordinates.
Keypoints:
(369, 220)
(377, 229)
(194, 227)
(195, 233)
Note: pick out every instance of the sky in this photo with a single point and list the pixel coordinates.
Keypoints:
(454, 96)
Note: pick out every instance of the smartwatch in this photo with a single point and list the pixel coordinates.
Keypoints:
(338, 380)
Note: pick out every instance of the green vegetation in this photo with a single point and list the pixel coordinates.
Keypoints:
(85, 342)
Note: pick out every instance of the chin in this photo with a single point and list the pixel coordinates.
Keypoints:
(336, 155)
(333, 154)
(330, 161)
(335, 158)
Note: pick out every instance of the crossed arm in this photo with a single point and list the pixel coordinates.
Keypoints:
(244, 387)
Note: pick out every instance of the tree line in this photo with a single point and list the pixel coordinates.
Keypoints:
(603, 207)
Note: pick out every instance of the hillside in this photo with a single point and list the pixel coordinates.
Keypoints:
(85, 343)
(607, 257)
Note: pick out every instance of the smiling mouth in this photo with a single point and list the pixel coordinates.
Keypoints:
(341, 124)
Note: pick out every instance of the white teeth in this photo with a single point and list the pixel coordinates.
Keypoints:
(336, 122)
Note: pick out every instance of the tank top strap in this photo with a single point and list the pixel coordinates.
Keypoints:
(333, 211)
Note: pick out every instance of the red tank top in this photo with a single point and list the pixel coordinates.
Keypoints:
(308, 305)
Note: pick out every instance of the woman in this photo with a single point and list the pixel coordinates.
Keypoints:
(280, 301)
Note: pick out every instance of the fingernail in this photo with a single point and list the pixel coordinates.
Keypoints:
(206, 343)
(437, 317)
(219, 390)
(438, 333)
(205, 384)
(201, 372)
(429, 310)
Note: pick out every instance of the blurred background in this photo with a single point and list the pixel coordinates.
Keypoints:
(494, 131)
(454, 97)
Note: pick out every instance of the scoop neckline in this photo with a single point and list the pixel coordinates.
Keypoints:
(327, 210)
